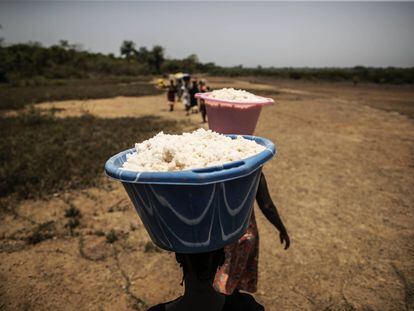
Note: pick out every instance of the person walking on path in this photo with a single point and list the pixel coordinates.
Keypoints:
(186, 96)
(193, 100)
(179, 88)
(202, 105)
(171, 95)
(240, 269)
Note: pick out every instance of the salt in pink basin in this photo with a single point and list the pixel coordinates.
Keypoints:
(233, 117)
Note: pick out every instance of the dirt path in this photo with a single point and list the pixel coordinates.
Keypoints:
(343, 181)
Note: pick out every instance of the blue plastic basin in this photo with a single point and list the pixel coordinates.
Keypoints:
(196, 210)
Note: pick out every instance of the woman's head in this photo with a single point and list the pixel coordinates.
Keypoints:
(202, 266)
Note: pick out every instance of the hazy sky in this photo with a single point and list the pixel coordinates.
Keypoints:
(249, 33)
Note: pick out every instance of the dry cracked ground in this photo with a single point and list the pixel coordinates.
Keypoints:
(343, 181)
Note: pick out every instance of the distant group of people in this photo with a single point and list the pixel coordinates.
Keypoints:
(184, 92)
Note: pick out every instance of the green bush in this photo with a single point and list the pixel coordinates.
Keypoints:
(66, 61)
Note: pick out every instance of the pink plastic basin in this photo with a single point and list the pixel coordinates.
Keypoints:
(231, 117)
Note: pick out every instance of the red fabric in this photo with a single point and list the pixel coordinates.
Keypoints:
(240, 267)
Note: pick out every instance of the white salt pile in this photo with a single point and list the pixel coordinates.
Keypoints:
(201, 148)
(230, 94)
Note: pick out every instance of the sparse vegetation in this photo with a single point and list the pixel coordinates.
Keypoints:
(42, 232)
(72, 224)
(72, 212)
(31, 64)
(132, 227)
(99, 233)
(41, 155)
(151, 248)
(356, 74)
(111, 237)
(25, 93)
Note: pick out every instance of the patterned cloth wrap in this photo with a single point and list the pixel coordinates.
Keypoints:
(240, 267)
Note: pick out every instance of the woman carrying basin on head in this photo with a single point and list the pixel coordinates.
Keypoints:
(171, 91)
(236, 112)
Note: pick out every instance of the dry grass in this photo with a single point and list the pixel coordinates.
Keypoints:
(342, 180)
(41, 155)
(17, 97)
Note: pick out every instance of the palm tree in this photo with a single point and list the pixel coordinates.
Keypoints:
(142, 55)
(127, 49)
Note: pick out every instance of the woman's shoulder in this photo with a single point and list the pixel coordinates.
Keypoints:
(160, 307)
(242, 302)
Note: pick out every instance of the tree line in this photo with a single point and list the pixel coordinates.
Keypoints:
(33, 62)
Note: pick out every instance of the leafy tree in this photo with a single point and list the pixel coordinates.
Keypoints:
(64, 44)
(3, 61)
(32, 64)
(143, 55)
(1, 39)
(157, 58)
(192, 58)
(190, 63)
(127, 49)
